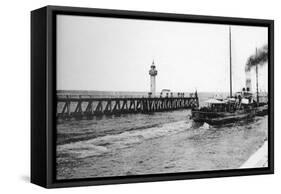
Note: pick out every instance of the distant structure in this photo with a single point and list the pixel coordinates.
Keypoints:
(153, 73)
(165, 92)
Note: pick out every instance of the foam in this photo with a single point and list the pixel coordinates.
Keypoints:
(93, 147)
(82, 149)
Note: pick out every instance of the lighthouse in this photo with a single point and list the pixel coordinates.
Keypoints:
(152, 73)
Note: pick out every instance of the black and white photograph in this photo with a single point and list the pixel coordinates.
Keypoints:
(146, 97)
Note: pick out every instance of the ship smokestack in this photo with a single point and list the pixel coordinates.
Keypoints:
(248, 81)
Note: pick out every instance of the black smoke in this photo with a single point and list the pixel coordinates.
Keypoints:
(259, 58)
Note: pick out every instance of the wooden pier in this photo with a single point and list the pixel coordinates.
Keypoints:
(87, 107)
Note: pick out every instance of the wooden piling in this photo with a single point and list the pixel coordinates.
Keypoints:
(72, 106)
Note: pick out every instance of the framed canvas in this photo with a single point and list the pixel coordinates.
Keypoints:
(126, 96)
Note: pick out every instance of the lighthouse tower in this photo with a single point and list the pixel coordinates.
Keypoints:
(152, 73)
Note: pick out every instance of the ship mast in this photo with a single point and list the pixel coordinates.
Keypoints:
(230, 62)
(257, 81)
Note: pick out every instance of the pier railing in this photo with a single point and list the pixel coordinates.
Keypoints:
(87, 106)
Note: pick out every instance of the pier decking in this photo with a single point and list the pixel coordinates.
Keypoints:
(87, 106)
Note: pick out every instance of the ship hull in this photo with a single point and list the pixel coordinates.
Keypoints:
(262, 110)
(220, 118)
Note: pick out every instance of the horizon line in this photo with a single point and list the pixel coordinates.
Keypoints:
(198, 91)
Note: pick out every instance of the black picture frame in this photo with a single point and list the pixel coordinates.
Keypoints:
(43, 95)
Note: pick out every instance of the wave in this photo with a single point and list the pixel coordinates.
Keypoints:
(87, 133)
(104, 144)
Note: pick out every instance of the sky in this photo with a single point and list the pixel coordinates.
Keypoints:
(111, 54)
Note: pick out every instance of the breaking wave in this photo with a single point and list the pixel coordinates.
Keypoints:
(104, 144)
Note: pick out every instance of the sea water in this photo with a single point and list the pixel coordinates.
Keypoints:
(161, 142)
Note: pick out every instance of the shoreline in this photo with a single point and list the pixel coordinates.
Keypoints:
(258, 159)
